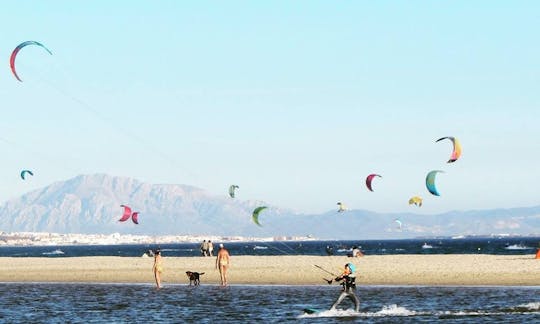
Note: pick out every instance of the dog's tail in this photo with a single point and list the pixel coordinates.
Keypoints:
(200, 274)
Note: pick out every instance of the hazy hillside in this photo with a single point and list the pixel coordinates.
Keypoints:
(91, 204)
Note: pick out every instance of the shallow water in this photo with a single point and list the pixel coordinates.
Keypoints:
(121, 303)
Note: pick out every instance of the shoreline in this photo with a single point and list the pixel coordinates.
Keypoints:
(377, 270)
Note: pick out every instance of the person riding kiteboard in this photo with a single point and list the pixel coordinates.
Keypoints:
(347, 279)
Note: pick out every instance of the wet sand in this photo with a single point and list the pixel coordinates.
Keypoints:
(513, 270)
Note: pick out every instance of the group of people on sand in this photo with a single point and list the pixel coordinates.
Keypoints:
(223, 262)
(207, 248)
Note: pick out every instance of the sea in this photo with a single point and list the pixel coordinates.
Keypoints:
(180, 303)
(498, 246)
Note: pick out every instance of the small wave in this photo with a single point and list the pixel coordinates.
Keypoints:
(344, 250)
(55, 252)
(427, 246)
(518, 247)
(399, 249)
(395, 310)
(391, 310)
(332, 313)
(531, 306)
(258, 247)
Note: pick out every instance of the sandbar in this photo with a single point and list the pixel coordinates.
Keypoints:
(431, 270)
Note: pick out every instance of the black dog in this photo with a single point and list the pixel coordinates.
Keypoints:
(194, 277)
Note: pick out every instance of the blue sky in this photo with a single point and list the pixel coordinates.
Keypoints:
(294, 101)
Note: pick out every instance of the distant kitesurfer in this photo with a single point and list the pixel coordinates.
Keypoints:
(329, 250)
(349, 287)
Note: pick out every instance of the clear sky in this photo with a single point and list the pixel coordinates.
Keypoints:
(294, 101)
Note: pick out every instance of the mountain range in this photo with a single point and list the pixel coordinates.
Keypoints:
(90, 204)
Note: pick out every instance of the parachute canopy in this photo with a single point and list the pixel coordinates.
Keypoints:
(369, 179)
(127, 213)
(25, 172)
(456, 153)
(255, 215)
(342, 207)
(16, 51)
(399, 223)
(232, 190)
(416, 200)
(430, 182)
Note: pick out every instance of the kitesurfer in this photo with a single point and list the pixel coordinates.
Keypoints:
(348, 279)
(157, 268)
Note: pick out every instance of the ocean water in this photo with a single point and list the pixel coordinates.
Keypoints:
(141, 303)
(499, 246)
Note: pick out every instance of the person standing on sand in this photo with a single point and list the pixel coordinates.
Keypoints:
(223, 262)
(210, 248)
(157, 268)
(204, 246)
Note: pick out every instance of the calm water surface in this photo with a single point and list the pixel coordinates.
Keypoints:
(129, 303)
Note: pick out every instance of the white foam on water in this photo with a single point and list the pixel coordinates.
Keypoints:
(55, 252)
(532, 306)
(395, 310)
(386, 311)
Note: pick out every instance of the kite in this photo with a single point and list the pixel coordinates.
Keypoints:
(369, 179)
(456, 153)
(430, 182)
(342, 207)
(399, 223)
(135, 217)
(16, 51)
(255, 215)
(127, 213)
(416, 200)
(232, 189)
(24, 172)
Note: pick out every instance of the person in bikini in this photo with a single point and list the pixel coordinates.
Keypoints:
(223, 262)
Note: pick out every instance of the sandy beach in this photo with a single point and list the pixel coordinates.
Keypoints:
(288, 270)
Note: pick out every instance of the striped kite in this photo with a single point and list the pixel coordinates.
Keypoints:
(16, 51)
(456, 153)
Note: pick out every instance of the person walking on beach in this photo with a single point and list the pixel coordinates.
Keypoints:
(157, 268)
(223, 262)
(204, 247)
(210, 248)
(349, 287)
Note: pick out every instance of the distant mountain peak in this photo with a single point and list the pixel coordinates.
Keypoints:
(90, 204)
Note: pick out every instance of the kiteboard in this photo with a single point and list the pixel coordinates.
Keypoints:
(311, 310)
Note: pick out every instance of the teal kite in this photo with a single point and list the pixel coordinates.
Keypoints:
(430, 182)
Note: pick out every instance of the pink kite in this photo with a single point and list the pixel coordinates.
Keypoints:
(127, 213)
(369, 179)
